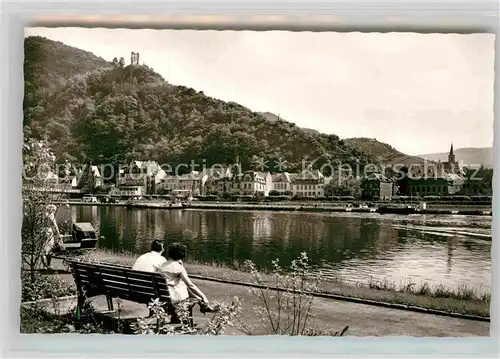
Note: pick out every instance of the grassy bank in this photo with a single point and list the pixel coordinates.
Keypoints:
(463, 300)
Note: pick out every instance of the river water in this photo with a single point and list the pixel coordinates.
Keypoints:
(438, 249)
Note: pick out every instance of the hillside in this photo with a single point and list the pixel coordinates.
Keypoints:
(274, 118)
(112, 113)
(382, 151)
(469, 156)
(49, 64)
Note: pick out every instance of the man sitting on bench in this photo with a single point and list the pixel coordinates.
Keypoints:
(151, 261)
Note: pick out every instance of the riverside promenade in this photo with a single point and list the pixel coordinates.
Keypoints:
(331, 314)
(301, 207)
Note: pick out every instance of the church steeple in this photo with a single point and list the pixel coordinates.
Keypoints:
(452, 165)
(451, 156)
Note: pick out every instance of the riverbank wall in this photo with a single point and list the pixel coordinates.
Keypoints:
(296, 208)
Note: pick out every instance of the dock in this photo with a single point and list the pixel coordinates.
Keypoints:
(290, 207)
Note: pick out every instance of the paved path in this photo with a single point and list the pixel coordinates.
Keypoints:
(362, 319)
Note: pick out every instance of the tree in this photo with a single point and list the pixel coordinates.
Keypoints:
(345, 186)
(403, 181)
(112, 112)
(38, 164)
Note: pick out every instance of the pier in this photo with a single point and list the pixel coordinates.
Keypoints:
(288, 207)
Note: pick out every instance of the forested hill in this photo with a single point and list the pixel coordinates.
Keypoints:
(382, 151)
(49, 64)
(111, 113)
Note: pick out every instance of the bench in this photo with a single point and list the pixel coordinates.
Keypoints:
(115, 281)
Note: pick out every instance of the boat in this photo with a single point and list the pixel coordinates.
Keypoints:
(397, 210)
(159, 205)
(83, 236)
(171, 205)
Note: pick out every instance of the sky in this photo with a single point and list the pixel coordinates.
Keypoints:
(416, 92)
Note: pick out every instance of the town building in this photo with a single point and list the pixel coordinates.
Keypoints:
(451, 166)
(478, 182)
(282, 183)
(446, 184)
(421, 187)
(217, 181)
(433, 178)
(376, 186)
(309, 183)
(186, 185)
(51, 179)
(139, 178)
(88, 179)
(252, 183)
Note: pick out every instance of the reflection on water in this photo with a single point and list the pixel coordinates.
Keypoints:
(437, 249)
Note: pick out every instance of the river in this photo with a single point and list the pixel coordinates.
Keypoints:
(438, 249)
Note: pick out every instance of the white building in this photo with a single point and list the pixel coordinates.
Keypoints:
(309, 183)
(128, 191)
(189, 184)
(455, 183)
(282, 182)
(253, 182)
(140, 178)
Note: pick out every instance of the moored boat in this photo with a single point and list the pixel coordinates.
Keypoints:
(397, 210)
(83, 236)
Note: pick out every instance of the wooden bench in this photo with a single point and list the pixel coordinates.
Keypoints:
(115, 281)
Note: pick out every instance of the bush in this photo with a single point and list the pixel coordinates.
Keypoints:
(286, 309)
(159, 321)
(36, 320)
(43, 286)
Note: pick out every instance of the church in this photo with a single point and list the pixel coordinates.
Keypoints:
(436, 178)
(451, 166)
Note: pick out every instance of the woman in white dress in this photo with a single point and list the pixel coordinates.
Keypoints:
(183, 292)
(51, 235)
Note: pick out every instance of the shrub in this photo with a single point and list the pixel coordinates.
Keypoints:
(287, 307)
(43, 286)
(36, 320)
(159, 321)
